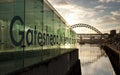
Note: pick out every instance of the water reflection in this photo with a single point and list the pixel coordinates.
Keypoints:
(94, 60)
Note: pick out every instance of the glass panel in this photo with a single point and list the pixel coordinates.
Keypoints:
(33, 31)
(56, 30)
(62, 34)
(48, 27)
(11, 35)
(30, 32)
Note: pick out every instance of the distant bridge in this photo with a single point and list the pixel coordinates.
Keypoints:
(89, 38)
(87, 26)
(92, 35)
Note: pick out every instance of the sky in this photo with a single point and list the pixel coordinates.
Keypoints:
(101, 14)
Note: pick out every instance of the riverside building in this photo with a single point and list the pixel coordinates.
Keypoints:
(29, 30)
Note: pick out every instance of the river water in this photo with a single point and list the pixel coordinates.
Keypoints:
(94, 60)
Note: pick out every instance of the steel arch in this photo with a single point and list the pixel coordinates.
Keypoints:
(87, 26)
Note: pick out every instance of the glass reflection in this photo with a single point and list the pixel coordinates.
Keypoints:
(38, 19)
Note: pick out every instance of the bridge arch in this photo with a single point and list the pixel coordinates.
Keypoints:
(87, 26)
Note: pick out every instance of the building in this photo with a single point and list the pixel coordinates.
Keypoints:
(112, 33)
(29, 29)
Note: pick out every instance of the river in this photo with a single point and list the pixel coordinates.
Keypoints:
(94, 60)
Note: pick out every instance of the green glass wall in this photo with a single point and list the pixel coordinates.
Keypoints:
(9, 53)
(30, 32)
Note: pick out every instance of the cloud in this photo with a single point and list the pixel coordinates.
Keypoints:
(62, 2)
(74, 13)
(114, 18)
(94, 13)
(107, 1)
(108, 22)
(116, 13)
(100, 7)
